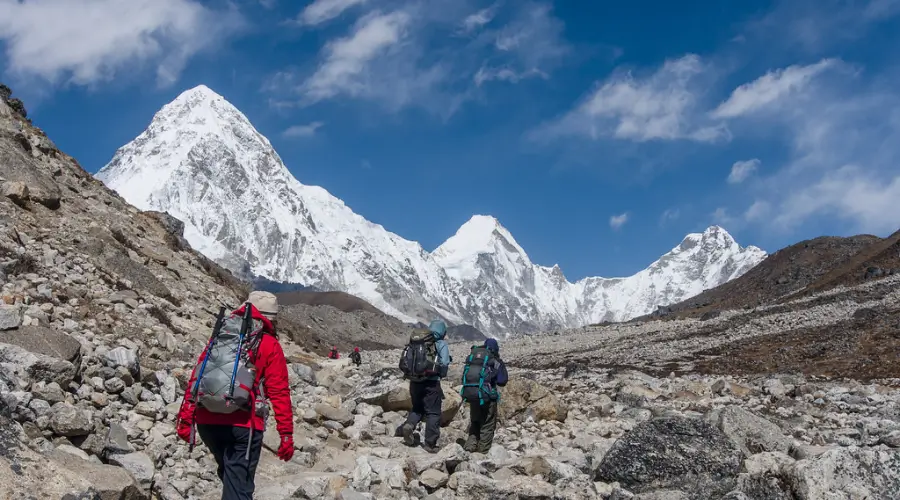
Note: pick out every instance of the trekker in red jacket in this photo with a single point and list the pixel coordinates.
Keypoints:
(228, 435)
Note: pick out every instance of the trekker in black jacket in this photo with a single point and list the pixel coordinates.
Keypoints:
(483, 417)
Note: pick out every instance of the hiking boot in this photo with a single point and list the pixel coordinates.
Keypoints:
(471, 444)
(406, 431)
(430, 448)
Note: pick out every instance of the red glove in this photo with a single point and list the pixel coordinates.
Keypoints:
(286, 450)
(184, 428)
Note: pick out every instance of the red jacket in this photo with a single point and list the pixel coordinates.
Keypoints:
(270, 363)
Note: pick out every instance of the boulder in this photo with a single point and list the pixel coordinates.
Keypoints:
(44, 341)
(67, 420)
(339, 415)
(126, 358)
(16, 191)
(138, 464)
(30, 366)
(26, 474)
(523, 398)
(675, 453)
(752, 434)
(10, 318)
(851, 472)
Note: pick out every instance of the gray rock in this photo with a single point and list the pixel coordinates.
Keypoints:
(673, 453)
(51, 393)
(16, 191)
(126, 358)
(138, 464)
(339, 415)
(121, 296)
(751, 433)
(148, 408)
(434, 479)
(305, 373)
(67, 420)
(114, 385)
(9, 317)
(117, 440)
(37, 353)
(847, 473)
(774, 387)
(58, 474)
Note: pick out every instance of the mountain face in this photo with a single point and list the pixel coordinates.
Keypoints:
(202, 161)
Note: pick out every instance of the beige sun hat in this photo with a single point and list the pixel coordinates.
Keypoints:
(266, 302)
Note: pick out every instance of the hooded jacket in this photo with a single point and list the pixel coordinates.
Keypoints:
(498, 375)
(270, 366)
(439, 331)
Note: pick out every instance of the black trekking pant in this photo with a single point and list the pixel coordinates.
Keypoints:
(229, 445)
(482, 424)
(427, 398)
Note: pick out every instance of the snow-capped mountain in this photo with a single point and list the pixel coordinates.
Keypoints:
(202, 161)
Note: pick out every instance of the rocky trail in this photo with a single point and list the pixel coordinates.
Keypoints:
(104, 308)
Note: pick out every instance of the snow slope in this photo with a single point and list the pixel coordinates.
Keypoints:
(202, 161)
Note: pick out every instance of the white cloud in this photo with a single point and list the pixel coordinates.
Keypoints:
(414, 56)
(307, 130)
(86, 41)
(321, 11)
(770, 88)
(479, 19)
(817, 26)
(346, 64)
(661, 106)
(617, 221)
(669, 214)
(741, 170)
(758, 211)
(505, 74)
(843, 140)
(867, 200)
(530, 45)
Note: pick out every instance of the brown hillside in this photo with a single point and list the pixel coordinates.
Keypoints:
(878, 259)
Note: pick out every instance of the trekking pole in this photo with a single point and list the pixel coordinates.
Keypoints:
(262, 395)
(220, 320)
(248, 317)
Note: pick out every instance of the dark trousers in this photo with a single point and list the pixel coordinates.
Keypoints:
(482, 424)
(427, 397)
(229, 445)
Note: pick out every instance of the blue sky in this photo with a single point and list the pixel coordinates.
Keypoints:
(599, 133)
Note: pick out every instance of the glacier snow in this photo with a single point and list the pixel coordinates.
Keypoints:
(202, 161)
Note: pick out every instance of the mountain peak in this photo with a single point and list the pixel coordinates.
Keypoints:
(481, 234)
(200, 93)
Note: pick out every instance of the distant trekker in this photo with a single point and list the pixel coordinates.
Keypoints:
(425, 361)
(356, 357)
(334, 354)
(241, 367)
(484, 372)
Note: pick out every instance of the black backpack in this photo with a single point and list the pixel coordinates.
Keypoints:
(420, 357)
(477, 374)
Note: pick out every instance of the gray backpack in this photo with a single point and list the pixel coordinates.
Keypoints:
(226, 375)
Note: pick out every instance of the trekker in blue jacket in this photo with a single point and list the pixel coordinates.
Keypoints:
(483, 418)
(427, 396)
